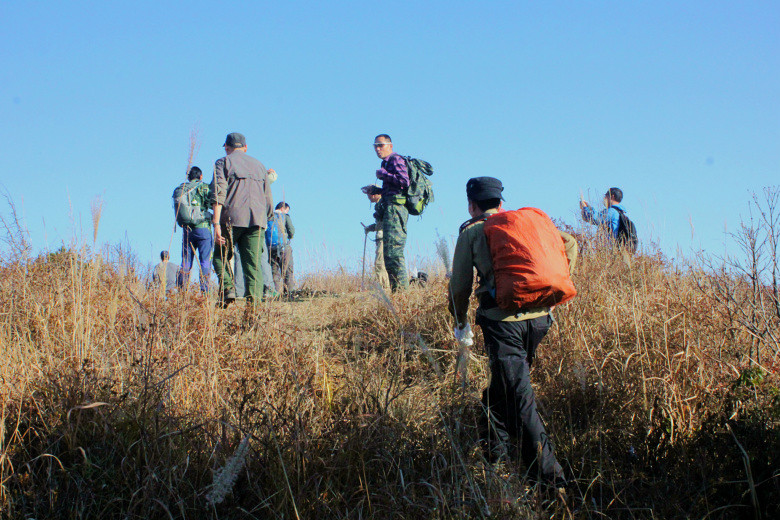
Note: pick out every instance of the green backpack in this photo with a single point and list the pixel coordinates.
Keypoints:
(420, 191)
(187, 205)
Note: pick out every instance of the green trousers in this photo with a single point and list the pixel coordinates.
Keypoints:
(250, 242)
(394, 238)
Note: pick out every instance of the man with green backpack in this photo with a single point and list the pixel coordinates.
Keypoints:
(405, 190)
(190, 203)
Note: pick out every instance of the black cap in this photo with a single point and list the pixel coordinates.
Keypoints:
(484, 188)
(235, 140)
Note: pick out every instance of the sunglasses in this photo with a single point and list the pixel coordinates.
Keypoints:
(380, 145)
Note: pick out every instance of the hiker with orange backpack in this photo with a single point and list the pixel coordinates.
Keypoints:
(523, 263)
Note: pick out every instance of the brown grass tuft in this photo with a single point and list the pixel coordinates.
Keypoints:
(344, 404)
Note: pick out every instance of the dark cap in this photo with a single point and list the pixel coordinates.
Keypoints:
(235, 140)
(484, 188)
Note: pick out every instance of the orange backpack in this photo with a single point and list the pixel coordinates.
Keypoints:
(529, 261)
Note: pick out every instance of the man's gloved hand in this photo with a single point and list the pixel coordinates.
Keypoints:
(464, 335)
(371, 228)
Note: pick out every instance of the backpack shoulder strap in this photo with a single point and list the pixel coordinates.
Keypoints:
(471, 221)
(185, 185)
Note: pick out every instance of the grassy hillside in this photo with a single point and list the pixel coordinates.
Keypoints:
(658, 385)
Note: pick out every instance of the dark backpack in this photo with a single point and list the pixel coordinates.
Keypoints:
(187, 204)
(420, 191)
(626, 235)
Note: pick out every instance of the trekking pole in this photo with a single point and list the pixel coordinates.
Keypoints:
(365, 243)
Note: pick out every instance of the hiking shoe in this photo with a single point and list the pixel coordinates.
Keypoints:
(226, 299)
(224, 304)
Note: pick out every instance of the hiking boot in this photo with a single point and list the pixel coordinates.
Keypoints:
(224, 304)
(226, 299)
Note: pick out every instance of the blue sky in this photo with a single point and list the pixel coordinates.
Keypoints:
(676, 103)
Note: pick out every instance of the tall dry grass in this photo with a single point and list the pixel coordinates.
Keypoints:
(119, 403)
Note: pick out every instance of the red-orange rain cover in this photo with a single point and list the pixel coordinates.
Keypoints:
(529, 260)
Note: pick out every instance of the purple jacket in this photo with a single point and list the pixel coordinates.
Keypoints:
(393, 174)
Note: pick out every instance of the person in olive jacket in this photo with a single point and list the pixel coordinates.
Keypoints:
(510, 426)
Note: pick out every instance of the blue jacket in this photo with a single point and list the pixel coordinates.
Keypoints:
(608, 218)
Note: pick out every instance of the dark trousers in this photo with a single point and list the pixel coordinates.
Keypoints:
(200, 240)
(282, 267)
(509, 402)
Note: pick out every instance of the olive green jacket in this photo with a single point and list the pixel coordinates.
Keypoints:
(472, 251)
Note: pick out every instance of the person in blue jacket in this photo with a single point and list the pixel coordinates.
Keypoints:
(608, 219)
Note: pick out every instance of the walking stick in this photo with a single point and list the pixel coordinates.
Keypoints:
(365, 242)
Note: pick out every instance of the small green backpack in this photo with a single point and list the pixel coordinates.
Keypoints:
(187, 205)
(420, 191)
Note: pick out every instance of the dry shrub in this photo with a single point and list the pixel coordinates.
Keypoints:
(117, 402)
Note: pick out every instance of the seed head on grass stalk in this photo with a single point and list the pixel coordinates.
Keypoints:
(443, 252)
(194, 147)
(432, 360)
(97, 211)
(193, 151)
(225, 477)
(380, 294)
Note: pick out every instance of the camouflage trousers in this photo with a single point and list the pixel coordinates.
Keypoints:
(394, 240)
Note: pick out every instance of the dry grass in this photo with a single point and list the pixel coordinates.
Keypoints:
(117, 403)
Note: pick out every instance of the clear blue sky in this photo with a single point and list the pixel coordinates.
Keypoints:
(677, 103)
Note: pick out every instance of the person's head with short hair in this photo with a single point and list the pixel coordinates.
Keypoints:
(234, 141)
(383, 146)
(283, 207)
(195, 174)
(613, 196)
(483, 194)
(164, 256)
